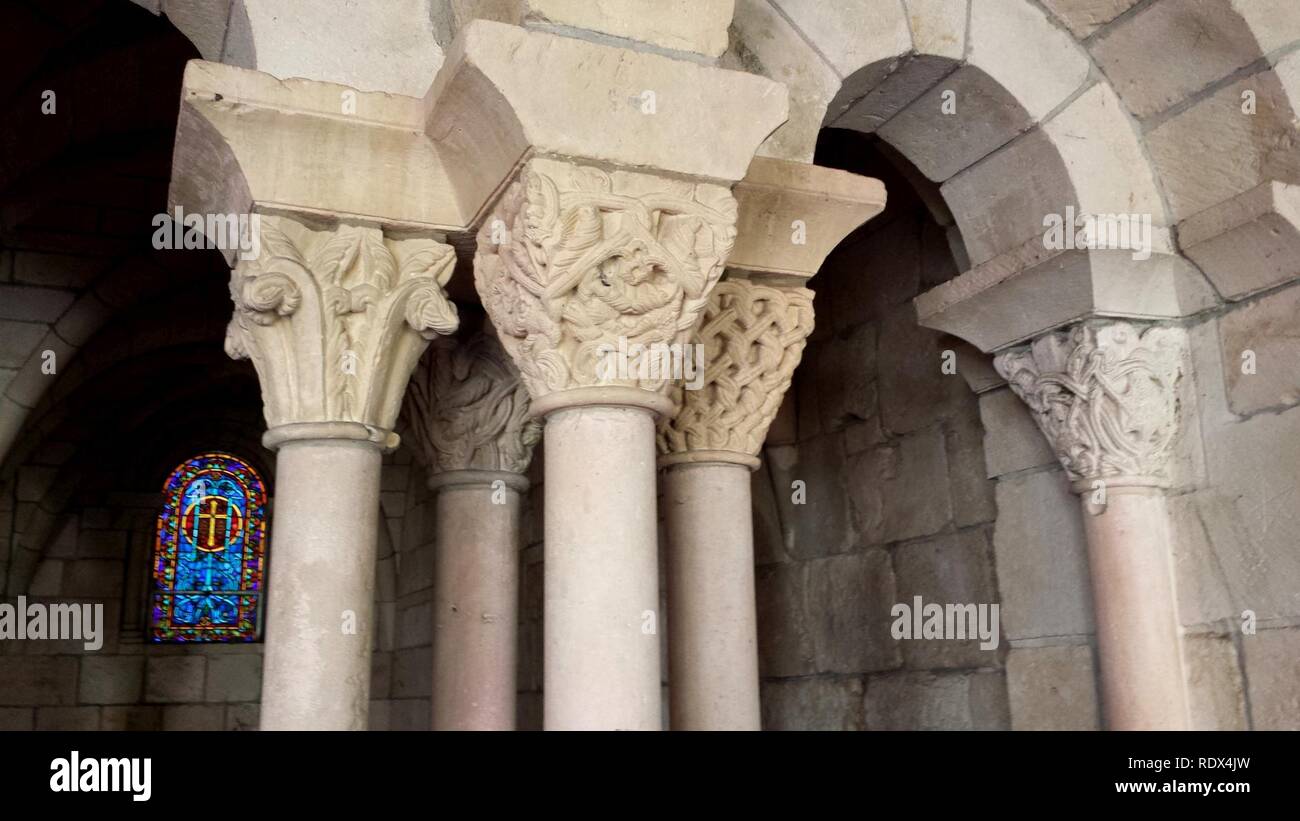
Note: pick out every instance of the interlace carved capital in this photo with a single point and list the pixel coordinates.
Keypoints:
(1105, 396)
(468, 408)
(753, 337)
(576, 264)
(334, 320)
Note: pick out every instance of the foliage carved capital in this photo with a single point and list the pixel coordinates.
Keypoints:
(1105, 395)
(468, 409)
(334, 320)
(577, 264)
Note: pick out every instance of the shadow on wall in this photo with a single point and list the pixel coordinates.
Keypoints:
(886, 445)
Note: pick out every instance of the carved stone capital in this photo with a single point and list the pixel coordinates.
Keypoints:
(334, 320)
(579, 267)
(468, 409)
(1105, 395)
(753, 337)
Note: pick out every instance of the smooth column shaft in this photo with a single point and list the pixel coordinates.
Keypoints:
(712, 621)
(1137, 636)
(316, 670)
(475, 604)
(601, 662)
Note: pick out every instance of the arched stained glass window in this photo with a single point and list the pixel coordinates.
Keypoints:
(209, 560)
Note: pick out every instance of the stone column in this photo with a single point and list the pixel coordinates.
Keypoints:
(591, 277)
(469, 411)
(334, 319)
(1105, 395)
(753, 337)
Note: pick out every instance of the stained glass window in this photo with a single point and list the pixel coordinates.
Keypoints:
(209, 560)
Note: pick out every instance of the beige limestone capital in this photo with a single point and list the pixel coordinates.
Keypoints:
(753, 336)
(595, 278)
(468, 409)
(334, 318)
(1105, 394)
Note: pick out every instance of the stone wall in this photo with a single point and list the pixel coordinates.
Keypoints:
(402, 668)
(888, 451)
(101, 555)
(1181, 110)
(1235, 521)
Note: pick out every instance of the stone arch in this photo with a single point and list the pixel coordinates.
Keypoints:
(1036, 129)
(398, 51)
(133, 280)
(79, 197)
(88, 473)
(166, 343)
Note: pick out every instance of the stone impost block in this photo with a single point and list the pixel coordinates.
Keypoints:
(506, 93)
(1033, 289)
(247, 141)
(791, 215)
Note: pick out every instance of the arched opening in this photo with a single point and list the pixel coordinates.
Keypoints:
(875, 490)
